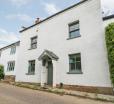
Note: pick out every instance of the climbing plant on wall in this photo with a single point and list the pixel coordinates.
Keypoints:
(109, 35)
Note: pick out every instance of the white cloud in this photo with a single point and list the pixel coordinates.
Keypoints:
(108, 6)
(19, 2)
(51, 8)
(22, 17)
(7, 37)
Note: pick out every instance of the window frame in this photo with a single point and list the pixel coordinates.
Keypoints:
(10, 66)
(71, 24)
(13, 50)
(0, 54)
(32, 43)
(75, 71)
(31, 71)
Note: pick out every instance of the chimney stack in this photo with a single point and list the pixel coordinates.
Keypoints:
(37, 20)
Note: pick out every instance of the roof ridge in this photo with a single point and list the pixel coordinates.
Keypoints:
(9, 45)
(82, 1)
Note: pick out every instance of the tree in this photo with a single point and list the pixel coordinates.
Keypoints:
(1, 72)
(109, 35)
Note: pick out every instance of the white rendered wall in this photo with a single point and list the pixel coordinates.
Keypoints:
(6, 57)
(52, 35)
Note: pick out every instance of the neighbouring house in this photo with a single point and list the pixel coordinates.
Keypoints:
(8, 58)
(66, 48)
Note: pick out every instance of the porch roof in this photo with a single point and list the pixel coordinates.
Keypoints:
(48, 53)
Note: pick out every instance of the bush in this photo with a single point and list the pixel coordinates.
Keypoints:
(109, 35)
(1, 72)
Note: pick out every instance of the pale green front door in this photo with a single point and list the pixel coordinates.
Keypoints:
(50, 73)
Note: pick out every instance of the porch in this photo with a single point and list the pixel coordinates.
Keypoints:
(48, 68)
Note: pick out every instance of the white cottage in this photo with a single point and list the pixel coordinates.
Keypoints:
(67, 48)
(8, 58)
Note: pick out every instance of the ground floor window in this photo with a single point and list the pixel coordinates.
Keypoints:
(11, 66)
(31, 68)
(75, 63)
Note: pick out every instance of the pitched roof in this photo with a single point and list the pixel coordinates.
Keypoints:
(82, 1)
(16, 43)
(48, 53)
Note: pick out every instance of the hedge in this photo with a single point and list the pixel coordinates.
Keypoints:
(1, 72)
(109, 36)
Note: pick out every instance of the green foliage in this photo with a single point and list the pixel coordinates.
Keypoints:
(1, 72)
(109, 35)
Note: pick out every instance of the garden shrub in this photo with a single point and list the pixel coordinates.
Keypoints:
(1, 72)
(109, 36)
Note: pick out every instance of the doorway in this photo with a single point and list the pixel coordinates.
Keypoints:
(50, 73)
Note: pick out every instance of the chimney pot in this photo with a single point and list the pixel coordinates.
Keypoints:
(37, 20)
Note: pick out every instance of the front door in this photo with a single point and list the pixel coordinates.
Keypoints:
(50, 73)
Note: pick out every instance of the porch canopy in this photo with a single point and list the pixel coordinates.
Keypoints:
(48, 53)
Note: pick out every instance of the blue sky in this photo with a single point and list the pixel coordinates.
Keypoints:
(17, 13)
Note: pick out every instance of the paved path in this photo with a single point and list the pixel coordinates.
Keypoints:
(15, 95)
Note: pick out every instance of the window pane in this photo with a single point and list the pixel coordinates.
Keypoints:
(8, 67)
(34, 40)
(72, 60)
(78, 58)
(74, 34)
(72, 66)
(74, 27)
(78, 65)
(13, 65)
(0, 53)
(34, 45)
(31, 68)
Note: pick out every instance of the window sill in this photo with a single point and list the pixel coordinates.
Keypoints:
(73, 37)
(30, 73)
(32, 48)
(11, 71)
(74, 72)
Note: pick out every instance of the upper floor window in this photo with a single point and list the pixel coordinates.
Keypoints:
(75, 63)
(11, 66)
(74, 30)
(34, 42)
(13, 50)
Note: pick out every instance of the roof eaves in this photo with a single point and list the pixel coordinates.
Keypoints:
(9, 45)
(108, 17)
